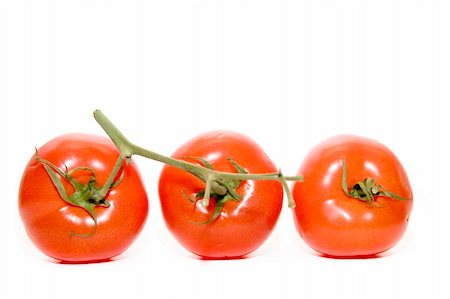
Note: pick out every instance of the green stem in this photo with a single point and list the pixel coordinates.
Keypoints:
(209, 176)
(106, 187)
(274, 176)
(205, 201)
(197, 170)
(291, 201)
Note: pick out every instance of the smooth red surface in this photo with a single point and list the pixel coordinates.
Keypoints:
(336, 225)
(51, 223)
(242, 226)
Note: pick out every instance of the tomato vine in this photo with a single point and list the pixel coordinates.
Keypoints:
(216, 182)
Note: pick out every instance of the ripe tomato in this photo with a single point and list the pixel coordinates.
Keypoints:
(337, 225)
(67, 232)
(242, 226)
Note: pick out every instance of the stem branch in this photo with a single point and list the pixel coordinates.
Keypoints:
(105, 188)
(291, 201)
(205, 201)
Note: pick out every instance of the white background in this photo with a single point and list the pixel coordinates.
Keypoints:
(287, 73)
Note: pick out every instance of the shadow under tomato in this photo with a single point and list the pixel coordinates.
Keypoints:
(205, 258)
(354, 257)
(59, 262)
(117, 258)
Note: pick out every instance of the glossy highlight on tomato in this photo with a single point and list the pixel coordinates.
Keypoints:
(66, 232)
(243, 225)
(337, 225)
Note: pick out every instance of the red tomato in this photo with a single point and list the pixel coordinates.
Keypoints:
(337, 225)
(67, 232)
(242, 226)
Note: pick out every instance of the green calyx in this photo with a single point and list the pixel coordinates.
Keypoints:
(221, 190)
(366, 190)
(86, 196)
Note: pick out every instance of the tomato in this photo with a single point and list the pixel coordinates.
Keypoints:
(337, 225)
(241, 225)
(70, 233)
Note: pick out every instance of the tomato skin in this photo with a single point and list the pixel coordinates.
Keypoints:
(242, 226)
(51, 222)
(339, 226)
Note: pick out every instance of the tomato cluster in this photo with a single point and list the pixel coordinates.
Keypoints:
(82, 200)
